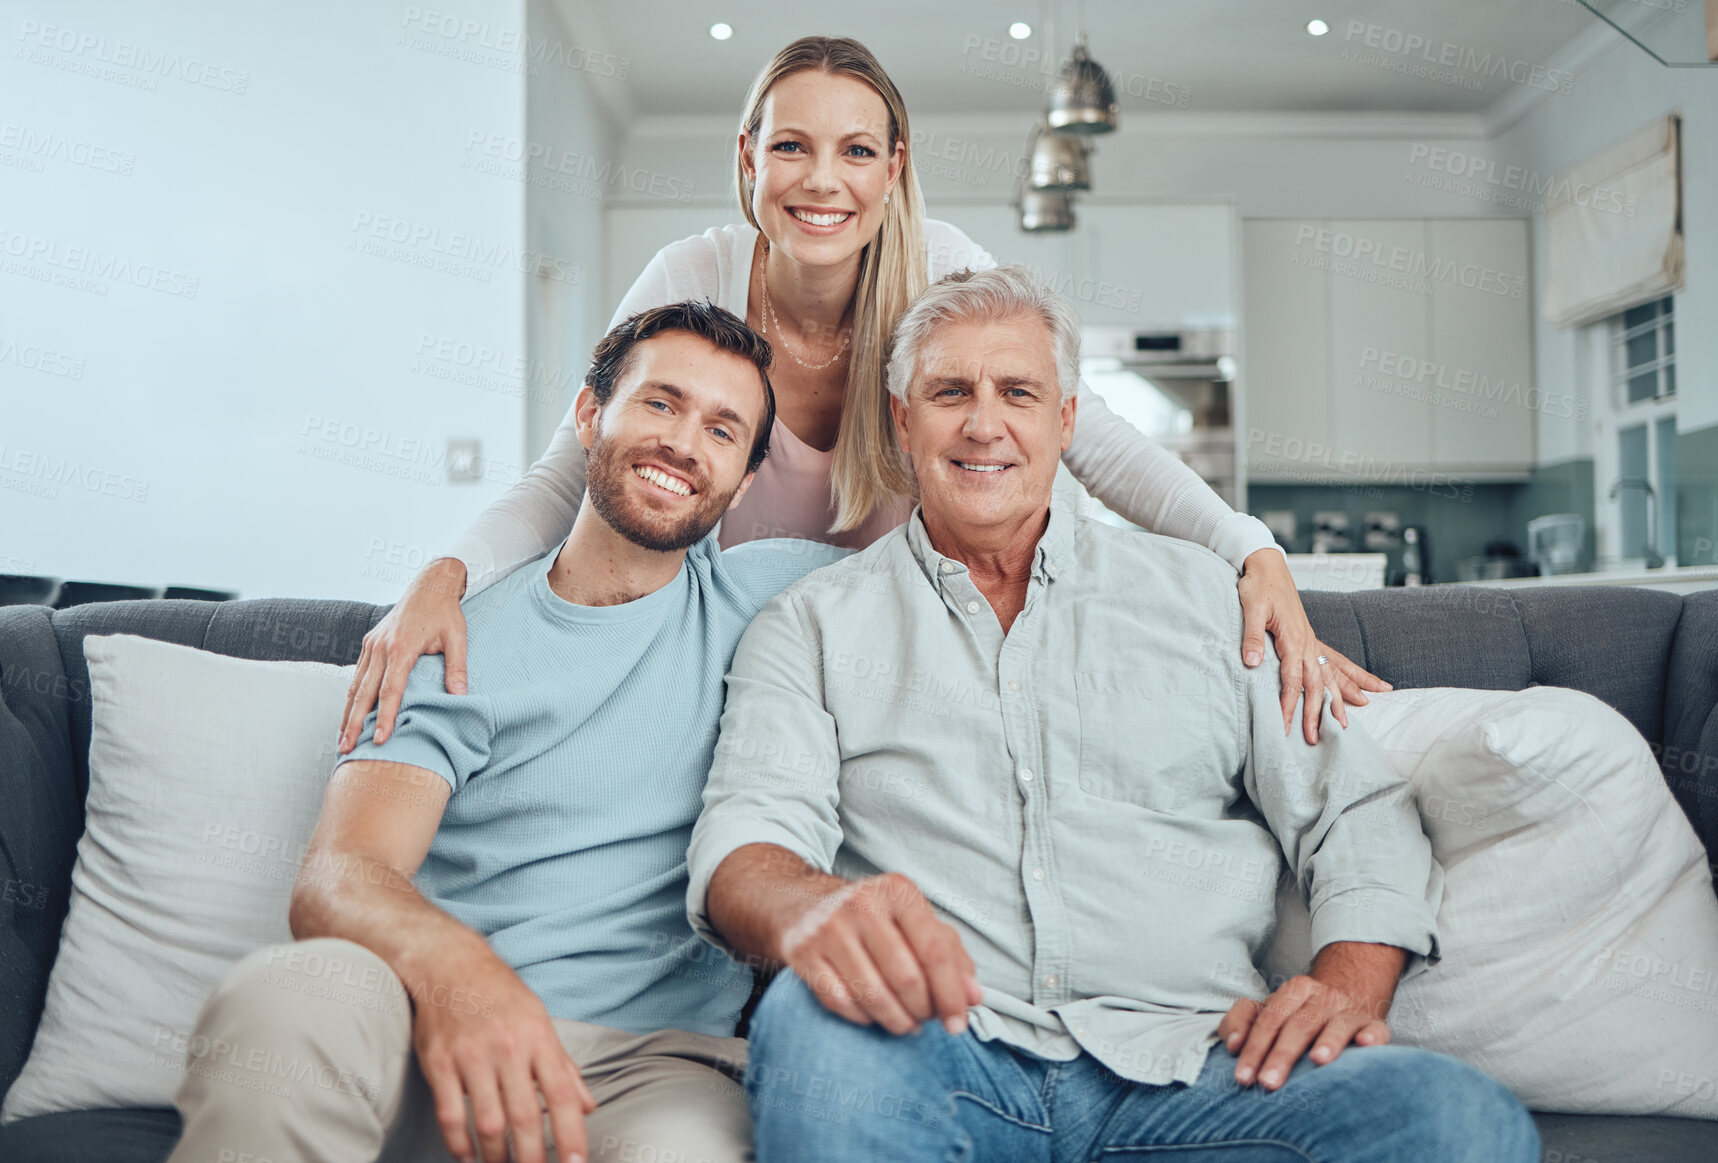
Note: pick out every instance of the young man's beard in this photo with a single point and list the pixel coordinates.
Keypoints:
(606, 471)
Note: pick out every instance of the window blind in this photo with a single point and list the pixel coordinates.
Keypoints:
(1614, 227)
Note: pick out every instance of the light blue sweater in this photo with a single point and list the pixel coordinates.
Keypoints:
(578, 762)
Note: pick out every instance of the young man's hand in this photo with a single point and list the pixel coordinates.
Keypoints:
(875, 951)
(481, 1033)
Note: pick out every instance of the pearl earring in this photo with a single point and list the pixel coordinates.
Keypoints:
(885, 199)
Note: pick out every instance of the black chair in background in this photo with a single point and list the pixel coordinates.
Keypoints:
(22, 589)
(81, 593)
(198, 594)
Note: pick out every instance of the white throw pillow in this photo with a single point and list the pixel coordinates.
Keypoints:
(1579, 927)
(206, 776)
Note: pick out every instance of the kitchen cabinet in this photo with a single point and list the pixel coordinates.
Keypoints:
(1150, 265)
(1482, 342)
(1286, 343)
(997, 230)
(1377, 423)
(1378, 350)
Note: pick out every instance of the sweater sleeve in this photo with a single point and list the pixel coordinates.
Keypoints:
(1150, 486)
(1348, 825)
(530, 518)
(775, 777)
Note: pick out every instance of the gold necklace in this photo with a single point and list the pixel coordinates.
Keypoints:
(772, 320)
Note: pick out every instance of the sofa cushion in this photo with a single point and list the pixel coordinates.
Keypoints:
(266, 629)
(44, 750)
(149, 1135)
(1625, 1139)
(206, 780)
(135, 1135)
(180, 622)
(1651, 655)
(1579, 926)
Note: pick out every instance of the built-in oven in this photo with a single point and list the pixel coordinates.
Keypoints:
(1175, 385)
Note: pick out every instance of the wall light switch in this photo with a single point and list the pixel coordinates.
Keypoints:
(464, 461)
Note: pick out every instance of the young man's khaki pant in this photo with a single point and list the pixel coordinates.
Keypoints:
(304, 1055)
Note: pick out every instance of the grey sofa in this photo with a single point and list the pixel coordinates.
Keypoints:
(1653, 656)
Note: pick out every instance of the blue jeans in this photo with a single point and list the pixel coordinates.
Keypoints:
(823, 1090)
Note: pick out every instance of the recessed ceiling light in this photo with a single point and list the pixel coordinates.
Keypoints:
(1020, 30)
(721, 31)
(1317, 27)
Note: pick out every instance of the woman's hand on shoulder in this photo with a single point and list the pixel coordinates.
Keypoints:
(427, 620)
(1271, 603)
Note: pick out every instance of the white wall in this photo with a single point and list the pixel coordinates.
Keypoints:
(571, 135)
(1613, 97)
(207, 437)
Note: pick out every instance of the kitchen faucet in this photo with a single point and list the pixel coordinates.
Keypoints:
(1654, 559)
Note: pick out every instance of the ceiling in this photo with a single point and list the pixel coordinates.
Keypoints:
(1208, 55)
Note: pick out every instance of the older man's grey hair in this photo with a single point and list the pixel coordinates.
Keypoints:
(1004, 292)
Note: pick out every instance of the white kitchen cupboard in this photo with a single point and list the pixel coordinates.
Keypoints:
(1147, 265)
(1482, 341)
(1374, 430)
(1377, 350)
(1286, 342)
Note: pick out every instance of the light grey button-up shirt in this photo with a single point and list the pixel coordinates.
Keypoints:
(1099, 801)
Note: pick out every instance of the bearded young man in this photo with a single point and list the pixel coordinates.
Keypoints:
(513, 860)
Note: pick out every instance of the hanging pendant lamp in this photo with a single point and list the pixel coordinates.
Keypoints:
(1083, 100)
(1044, 211)
(1057, 161)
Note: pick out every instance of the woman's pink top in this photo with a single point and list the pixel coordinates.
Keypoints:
(790, 497)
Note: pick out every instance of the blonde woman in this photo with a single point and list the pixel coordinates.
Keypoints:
(834, 247)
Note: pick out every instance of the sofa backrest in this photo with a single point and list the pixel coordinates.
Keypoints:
(1653, 656)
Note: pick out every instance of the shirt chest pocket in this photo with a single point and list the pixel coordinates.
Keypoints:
(1143, 743)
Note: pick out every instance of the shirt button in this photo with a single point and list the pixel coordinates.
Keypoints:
(972, 607)
(1052, 981)
(1025, 775)
(1013, 684)
(947, 567)
(1037, 874)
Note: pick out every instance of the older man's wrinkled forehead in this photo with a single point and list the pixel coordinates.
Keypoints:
(1001, 354)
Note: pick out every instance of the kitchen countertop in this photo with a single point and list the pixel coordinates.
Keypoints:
(1680, 579)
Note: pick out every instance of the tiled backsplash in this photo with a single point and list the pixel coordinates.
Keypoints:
(1459, 522)
(1459, 519)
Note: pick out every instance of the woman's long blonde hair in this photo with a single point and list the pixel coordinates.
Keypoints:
(869, 470)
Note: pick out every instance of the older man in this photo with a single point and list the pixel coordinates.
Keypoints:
(1003, 773)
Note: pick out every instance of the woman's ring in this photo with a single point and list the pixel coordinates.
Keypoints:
(1323, 661)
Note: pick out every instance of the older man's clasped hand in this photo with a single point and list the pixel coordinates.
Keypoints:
(875, 951)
